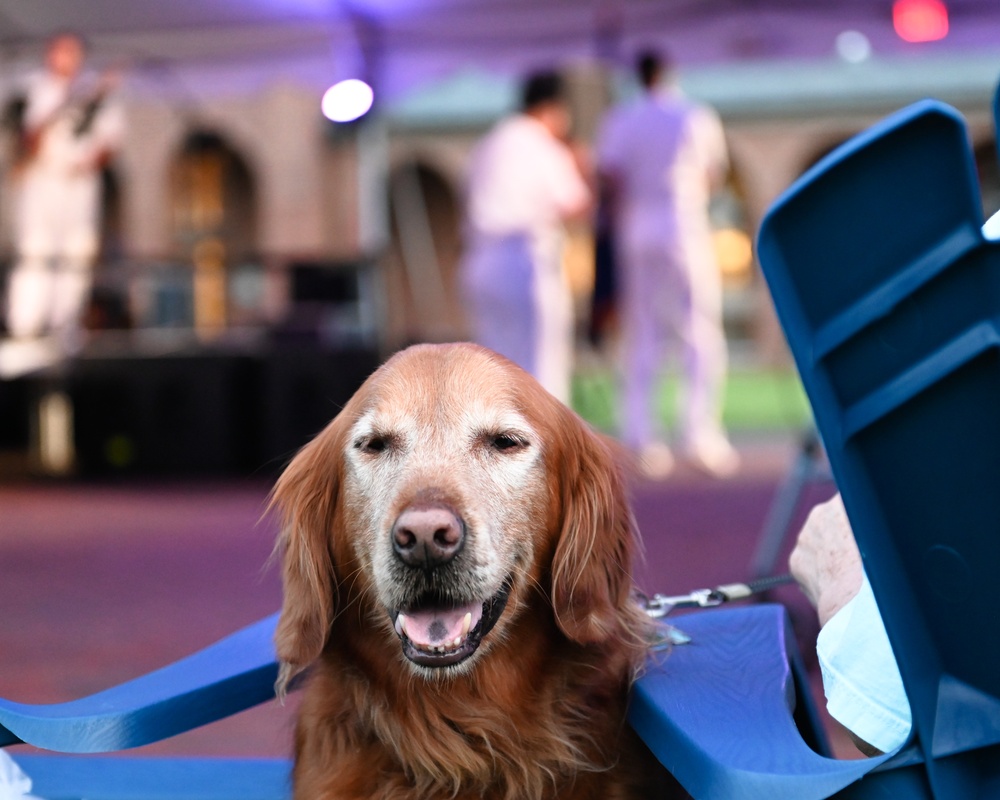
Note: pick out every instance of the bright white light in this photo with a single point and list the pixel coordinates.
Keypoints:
(854, 47)
(347, 100)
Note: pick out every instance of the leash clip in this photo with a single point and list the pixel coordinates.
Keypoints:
(706, 598)
(660, 605)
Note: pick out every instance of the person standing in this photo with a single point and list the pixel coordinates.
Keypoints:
(69, 129)
(662, 157)
(524, 184)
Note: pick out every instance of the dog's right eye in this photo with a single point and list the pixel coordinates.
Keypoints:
(374, 444)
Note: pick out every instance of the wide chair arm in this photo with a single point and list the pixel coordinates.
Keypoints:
(234, 674)
(719, 712)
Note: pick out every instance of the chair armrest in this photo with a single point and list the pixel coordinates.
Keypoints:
(717, 712)
(233, 674)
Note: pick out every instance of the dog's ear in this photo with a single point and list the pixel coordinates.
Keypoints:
(591, 569)
(305, 498)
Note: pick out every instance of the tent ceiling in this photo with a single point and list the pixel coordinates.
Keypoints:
(402, 41)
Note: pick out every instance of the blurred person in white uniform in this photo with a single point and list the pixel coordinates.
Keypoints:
(662, 156)
(524, 183)
(70, 128)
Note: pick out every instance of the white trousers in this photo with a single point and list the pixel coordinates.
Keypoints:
(520, 305)
(57, 241)
(671, 295)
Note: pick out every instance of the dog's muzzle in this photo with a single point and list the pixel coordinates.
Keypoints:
(440, 627)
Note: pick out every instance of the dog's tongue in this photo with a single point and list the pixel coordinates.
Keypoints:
(437, 627)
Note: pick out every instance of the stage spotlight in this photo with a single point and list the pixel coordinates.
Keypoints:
(853, 46)
(347, 100)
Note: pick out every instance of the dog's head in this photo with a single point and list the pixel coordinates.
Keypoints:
(448, 495)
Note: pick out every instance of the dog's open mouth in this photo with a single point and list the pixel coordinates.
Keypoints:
(437, 633)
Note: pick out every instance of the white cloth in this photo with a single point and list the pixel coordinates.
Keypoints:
(664, 153)
(14, 784)
(861, 679)
(58, 216)
(522, 183)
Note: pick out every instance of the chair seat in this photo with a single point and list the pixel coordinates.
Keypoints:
(125, 778)
(688, 704)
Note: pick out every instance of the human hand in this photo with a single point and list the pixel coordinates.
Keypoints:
(826, 561)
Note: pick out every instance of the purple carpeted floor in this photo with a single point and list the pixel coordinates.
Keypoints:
(102, 582)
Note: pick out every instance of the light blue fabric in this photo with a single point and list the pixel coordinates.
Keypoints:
(863, 687)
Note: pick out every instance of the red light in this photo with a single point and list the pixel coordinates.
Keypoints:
(920, 20)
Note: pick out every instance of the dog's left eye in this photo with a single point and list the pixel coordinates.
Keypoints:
(506, 442)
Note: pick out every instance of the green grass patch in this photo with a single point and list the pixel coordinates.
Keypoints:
(755, 400)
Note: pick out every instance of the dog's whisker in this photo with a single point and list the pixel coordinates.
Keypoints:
(357, 597)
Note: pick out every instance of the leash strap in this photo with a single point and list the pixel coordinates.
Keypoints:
(659, 605)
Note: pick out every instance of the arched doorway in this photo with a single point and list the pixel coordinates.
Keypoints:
(214, 224)
(733, 242)
(108, 308)
(425, 228)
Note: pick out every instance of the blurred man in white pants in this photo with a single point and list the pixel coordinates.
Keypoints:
(523, 184)
(70, 128)
(662, 157)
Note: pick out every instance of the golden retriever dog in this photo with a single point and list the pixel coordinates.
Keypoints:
(456, 551)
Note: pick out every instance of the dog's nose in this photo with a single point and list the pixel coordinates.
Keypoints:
(427, 536)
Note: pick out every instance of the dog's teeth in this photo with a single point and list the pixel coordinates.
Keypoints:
(457, 642)
(401, 625)
(466, 624)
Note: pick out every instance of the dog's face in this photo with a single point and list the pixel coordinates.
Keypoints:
(445, 491)
(450, 493)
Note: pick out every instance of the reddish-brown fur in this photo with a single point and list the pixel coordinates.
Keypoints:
(539, 713)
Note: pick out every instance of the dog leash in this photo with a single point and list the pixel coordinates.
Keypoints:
(660, 605)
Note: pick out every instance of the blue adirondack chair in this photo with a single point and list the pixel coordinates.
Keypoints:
(889, 295)
(890, 298)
